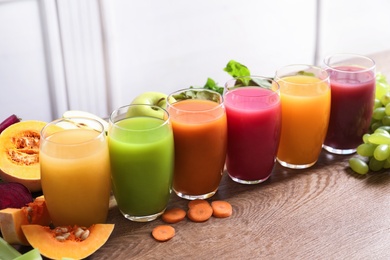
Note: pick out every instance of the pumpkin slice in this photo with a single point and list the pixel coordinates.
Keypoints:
(67, 242)
(19, 154)
(11, 220)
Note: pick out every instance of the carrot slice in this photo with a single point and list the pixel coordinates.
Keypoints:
(221, 209)
(163, 233)
(200, 212)
(173, 215)
(192, 203)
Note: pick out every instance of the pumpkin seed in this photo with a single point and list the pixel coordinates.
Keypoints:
(84, 235)
(60, 238)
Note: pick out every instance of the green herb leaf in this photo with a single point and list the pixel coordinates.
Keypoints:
(212, 85)
(237, 70)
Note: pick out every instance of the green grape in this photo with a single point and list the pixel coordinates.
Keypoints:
(387, 109)
(379, 138)
(366, 149)
(375, 125)
(382, 152)
(365, 138)
(377, 103)
(386, 120)
(381, 130)
(381, 89)
(386, 164)
(385, 127)
(358, 165)
(378, 113)
(375, 165)
(379, 77)
(381, 86)
(385, 99)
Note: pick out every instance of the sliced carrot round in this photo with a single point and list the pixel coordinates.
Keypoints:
(173, 215)
(200, 212)
(192, 203)
(163, 232)
(221, 209)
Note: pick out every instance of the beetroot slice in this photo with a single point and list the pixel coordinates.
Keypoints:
(14, 195)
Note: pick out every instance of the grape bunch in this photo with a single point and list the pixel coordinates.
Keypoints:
(374, 152)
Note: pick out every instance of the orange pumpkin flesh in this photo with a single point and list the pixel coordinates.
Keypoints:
(44, 239)
(19, 154)
(11, 220)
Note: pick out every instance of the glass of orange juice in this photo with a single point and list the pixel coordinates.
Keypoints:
(305, 96)
(200, 138)
(75, 171)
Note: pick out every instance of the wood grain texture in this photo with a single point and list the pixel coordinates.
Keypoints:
(324, 212)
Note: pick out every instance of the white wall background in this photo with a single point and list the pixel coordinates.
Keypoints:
(96, 55)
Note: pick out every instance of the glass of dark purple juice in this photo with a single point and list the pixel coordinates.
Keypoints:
(352, 81)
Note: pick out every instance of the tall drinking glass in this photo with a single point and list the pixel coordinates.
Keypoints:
(75, 171)
(253, 110)
(352, 81)
(305, 95)
(141, 149)
(200, 132)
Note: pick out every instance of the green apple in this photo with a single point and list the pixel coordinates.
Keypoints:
(148, 98)
(80, 123)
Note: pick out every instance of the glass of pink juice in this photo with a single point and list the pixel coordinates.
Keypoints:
(75, 171)
(200, 133)
(254, 124)
(140, 142)
(352, 80)
(305, 97)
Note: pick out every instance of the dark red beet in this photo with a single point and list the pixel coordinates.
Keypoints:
(14, 195)
(12, 119)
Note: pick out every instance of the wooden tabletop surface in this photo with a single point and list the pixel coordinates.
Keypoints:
(324, 212)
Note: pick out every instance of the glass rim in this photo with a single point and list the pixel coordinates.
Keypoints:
(171, 104)
(272, 82)
(112, 123)
(320, 69)
(351, 55)
(45, 137)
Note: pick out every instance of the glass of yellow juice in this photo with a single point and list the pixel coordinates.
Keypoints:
(75, 171)
(305, 96)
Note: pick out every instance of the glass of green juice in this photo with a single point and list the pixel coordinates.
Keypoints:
(140, 141)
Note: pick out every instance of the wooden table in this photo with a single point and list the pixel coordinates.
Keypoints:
(324, 212)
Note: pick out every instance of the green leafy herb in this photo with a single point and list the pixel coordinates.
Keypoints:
(235, 69)
(212, 85)
(238, 71)
(196, 94)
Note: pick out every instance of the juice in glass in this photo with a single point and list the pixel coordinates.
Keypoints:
(305, 114)
(75, 174)
(352, 81)
(141, 153)
(254, 124)
(200, 137)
